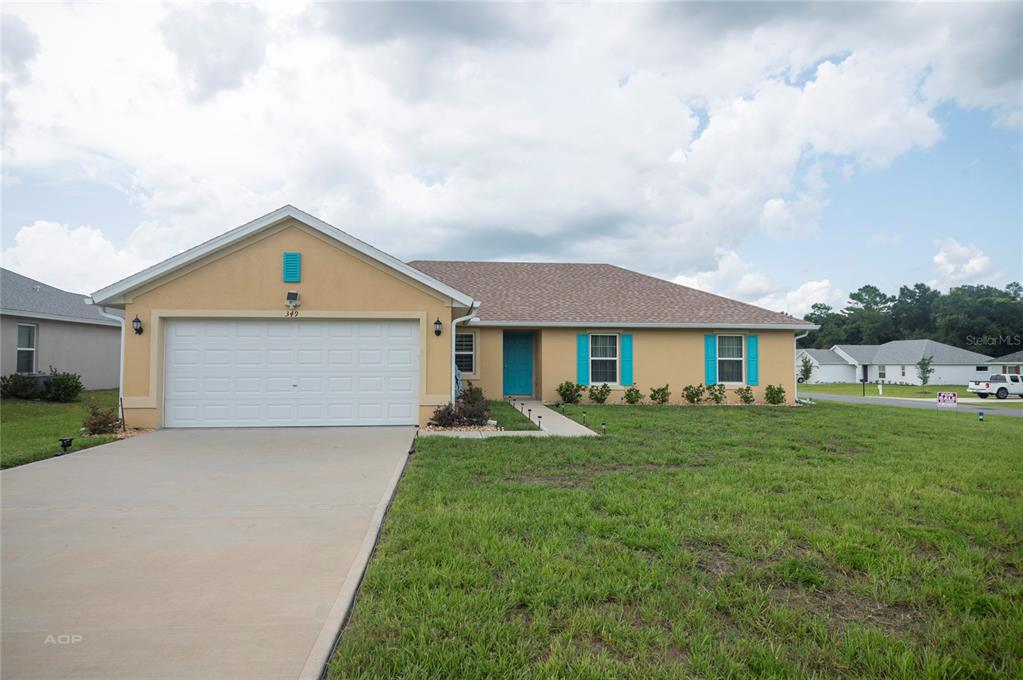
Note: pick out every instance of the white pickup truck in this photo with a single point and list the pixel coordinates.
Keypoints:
(999, 384)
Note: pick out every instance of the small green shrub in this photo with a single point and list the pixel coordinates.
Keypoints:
(599, 393)
(101, 420)
(774, 394)
(62, 387)
(660, 395)
(17, 386)
(570, 392)
(633, 396)
(694, 393)
(745, 394)
(716, 393)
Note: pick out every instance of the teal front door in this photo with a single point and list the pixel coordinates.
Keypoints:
(518, 363)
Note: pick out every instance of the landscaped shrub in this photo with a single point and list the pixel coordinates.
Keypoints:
(471, 408)
(62, 386)
(101, 420)
(599, 393)
(633, 396)
(745, 394)
(17, 386)
(570, 392)
(774, 394)
(694, 393)
(716, 393)
(660, 395)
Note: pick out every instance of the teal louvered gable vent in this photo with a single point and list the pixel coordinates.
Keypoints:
(292, 267)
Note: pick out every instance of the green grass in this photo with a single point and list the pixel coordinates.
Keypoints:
(830, 541)
(29, 430)
(509, 417)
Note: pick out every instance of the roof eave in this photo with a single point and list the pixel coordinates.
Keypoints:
(114, 295)
(652, 325)
(25, 314)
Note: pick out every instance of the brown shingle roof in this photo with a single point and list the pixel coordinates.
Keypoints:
(542, 292)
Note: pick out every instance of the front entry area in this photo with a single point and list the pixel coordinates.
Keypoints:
(518, 363)
(291, 372)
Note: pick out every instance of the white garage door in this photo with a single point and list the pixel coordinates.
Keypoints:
(290, 372)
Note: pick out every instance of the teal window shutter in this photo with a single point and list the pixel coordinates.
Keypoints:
(582, 359)
(710, 359)
(292, 267)
(626, 359)
(752, 360)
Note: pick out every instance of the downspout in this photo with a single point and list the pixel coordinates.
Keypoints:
(795, 342)
(120, 373)
(473, 307)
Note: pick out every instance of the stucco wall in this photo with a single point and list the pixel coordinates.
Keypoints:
(92, 351)
(245, 281)
(944, 374)
(673, 356)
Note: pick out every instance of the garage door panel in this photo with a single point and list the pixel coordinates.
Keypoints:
(291, 372)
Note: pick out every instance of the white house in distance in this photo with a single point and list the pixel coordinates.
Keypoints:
(1010, 363)
(895, 363)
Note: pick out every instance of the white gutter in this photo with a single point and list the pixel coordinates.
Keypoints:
(473, 307)
(120, 374)
(795, 341)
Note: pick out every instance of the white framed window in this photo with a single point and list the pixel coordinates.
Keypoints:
(903, 368)
(465, 352)
(603, 359)
(26, 348)
(981, 369)
(881, 374)
(731, 351)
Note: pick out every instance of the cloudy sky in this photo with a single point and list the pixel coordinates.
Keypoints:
(782, 154)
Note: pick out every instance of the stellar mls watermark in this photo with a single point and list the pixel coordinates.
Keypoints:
(62, 639)
(990, 340)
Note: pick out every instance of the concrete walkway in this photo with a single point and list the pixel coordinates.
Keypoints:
(928, 405)
(550, 422)
(185, 554)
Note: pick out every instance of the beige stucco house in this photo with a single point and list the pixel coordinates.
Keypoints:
(289, 321)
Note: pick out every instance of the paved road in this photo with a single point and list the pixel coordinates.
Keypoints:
(184, 554)
(1013, 412)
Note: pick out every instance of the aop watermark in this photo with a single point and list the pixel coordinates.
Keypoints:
(63, 639)
(992, 340)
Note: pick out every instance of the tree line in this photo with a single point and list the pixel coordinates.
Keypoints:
(982, 319)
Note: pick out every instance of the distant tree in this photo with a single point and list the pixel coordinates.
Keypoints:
(913, 311)
(924, 369)
(805, 368)
(872, 299)
(1015, 290)
(868, 317)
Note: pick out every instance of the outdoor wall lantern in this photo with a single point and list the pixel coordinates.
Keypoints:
(136, 323)
(437, 325)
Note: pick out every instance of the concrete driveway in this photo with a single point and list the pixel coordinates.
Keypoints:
(191, 553)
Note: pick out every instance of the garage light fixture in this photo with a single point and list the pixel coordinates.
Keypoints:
(136, 324)
(292, 300)
(437, 325)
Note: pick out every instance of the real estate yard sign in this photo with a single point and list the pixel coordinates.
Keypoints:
(948, 400)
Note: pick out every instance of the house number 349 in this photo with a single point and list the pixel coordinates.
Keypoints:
(291, 312)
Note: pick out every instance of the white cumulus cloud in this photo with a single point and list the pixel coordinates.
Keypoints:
(956, 263)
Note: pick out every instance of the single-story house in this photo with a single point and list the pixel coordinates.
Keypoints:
(287, 320)
(1010, 363)
(42, 326)
(895, 363)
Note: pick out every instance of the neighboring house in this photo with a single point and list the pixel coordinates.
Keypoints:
(42, 326)
(895, 362)
(371, 343)
(828, 366)
(1010, 363)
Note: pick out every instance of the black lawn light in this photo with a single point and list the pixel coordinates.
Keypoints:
(539, 422)
(603, 429)
(136, 325)
(530, 414)
(65, 444)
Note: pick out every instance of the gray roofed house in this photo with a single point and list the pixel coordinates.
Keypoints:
(1014, 358)
(43, 326)
(895, 362)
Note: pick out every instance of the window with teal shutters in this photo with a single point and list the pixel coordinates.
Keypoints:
(710, 359)
(292, 267)
(626, 379)
(582, 359)
(752, 360)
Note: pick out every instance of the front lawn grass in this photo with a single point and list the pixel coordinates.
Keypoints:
(856, 390)
(830, 541)
(29, 430)
(509, 417)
